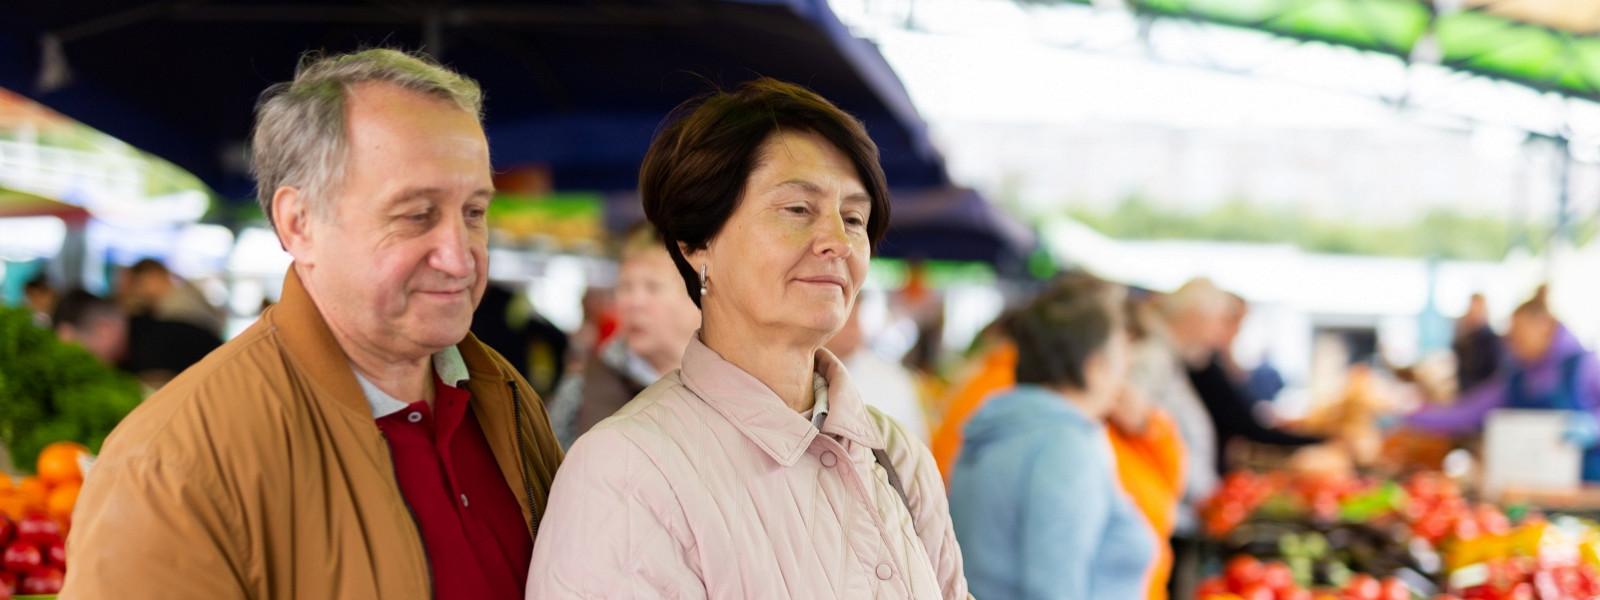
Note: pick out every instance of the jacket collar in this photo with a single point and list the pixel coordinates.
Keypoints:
(757, 412)
(312, 348)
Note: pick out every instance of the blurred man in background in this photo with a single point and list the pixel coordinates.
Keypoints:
(151, 349)
(149, 288)
(1477, 348)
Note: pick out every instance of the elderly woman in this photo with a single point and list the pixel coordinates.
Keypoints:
(1035, 494)
(755, 470)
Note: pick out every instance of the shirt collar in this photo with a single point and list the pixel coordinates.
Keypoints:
(447, 364)
(761, 416)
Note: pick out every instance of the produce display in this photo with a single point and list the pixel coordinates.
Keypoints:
(35, 514)
(1349, 538)
(50, 390)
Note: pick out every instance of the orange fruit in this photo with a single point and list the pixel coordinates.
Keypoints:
(62, 499)
(5, 483)
(33, 491)
(58, 462)
(13, 505)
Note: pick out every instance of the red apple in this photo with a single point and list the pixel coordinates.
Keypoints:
(21, 557)
(8, 529)
(38, 529)
(43, 581)
(8, 581)
(56, 554)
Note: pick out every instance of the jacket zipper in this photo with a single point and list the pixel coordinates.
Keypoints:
(423, 540)
(522, 456)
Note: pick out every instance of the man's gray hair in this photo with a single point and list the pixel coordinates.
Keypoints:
(299, 139)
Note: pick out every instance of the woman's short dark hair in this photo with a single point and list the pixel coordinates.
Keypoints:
(1060, 329)
(696, 169)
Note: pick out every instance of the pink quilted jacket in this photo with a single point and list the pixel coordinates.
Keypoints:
(707, 486)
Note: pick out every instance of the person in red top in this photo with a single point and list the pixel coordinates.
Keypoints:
(470, 522)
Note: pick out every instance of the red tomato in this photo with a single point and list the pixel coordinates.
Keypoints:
(1294, 594)
(1212, 586)
(1257, 591)
(38, 529)
(1394, 589)
(56, 554)
(8, 528)
(1362, 586)
(44, 580)
(1241, 571)
(21, 557)
(1277, 576)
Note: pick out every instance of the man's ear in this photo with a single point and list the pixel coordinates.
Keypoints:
(291, 217)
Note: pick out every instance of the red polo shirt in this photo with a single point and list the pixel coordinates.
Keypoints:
(477, 542)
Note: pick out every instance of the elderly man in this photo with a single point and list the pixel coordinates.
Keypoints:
(357, 441)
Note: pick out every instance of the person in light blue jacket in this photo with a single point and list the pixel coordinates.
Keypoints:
(1034, 496)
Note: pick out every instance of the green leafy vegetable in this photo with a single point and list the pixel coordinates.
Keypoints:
(52, 391)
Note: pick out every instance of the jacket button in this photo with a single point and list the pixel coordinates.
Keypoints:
(414, 417)
(829, 460)
(464, 503)
(885, 572)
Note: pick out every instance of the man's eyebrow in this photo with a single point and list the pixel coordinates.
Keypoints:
(415, 193)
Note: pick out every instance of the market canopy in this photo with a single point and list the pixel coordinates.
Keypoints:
(576, 87)
(1550, 45)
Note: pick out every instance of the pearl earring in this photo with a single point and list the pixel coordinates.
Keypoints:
(702, 279)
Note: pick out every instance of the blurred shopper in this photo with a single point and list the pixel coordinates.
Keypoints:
(41, 298)
(1180, 327)
(993, 368)
(1150, 465)
(357, 441)
(1549, 369)
(883, 384)
(152, 350)
(657, 322)
(755, 470)
(1477, 348)
(1203, 338)
(153, 290)
(1035, 496)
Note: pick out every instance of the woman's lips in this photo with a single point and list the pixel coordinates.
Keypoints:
(825, 280)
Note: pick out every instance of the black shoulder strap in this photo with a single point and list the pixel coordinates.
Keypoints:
(894, 476)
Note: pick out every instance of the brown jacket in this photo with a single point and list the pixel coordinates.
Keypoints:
(260, 473)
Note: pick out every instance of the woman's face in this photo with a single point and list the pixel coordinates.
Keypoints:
(1106, 375)
(792, 256)
(658, 319)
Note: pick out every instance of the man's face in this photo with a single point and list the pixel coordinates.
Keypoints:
(402, 260)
